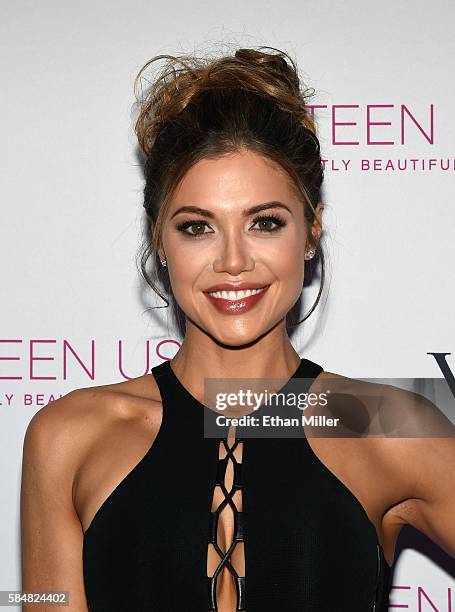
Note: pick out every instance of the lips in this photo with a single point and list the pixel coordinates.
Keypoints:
(235, 298)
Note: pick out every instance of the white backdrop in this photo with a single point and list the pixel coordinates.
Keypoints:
(71, 208)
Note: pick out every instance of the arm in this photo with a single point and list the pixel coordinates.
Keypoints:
(51, 533)
(427, 451)
(432, 511)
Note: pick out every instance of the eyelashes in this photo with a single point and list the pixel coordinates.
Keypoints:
(261, 219)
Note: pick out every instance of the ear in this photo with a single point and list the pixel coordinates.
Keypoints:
(316, 228)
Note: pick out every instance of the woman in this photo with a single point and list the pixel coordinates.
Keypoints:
(125, 502)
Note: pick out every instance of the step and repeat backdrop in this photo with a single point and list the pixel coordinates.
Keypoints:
(74, 311)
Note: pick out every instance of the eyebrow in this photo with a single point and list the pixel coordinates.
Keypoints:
(246, 212)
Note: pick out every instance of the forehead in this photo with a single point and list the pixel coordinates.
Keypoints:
(235, 179)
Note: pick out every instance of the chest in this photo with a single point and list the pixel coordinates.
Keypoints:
(300, 530)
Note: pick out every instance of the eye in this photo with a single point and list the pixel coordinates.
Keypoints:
(183, 227)
(266, 220)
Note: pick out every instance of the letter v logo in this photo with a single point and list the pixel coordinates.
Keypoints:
(445, 369)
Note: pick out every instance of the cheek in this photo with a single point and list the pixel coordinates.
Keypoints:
(289, 266)
(183, 269)
(286, 259)
(183, 275)
(185, 278)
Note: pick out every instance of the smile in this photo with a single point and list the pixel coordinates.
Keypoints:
(236, 302)
(235, 295)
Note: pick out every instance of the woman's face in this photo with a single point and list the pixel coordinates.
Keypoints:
(227, 242)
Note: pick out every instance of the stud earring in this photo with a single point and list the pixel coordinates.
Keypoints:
(163, 262)
(310, 254)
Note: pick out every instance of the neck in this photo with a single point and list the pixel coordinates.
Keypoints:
(201, 356)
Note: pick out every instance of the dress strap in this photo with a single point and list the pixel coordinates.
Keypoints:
(161, 374)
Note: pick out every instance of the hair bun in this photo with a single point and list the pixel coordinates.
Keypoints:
(276, 62)
(272, 76)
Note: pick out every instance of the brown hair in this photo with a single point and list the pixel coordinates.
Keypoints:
(201, 109)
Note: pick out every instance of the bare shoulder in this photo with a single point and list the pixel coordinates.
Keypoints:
(403, 430)
(353, 404)
(355, 401)
(380, 423)
(389, 411)
(62, 431)
(408, 414)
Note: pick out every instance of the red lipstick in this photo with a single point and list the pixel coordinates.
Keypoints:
(227, 303)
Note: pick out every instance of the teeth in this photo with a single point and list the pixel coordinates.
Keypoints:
(235, 295)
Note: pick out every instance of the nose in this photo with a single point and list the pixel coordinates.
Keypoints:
(234, 255)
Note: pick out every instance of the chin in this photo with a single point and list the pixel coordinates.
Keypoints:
(241, 336)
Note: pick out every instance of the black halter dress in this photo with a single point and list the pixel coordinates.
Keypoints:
(308, 543)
